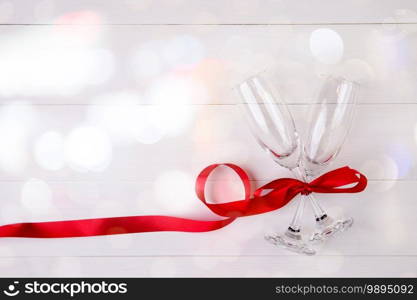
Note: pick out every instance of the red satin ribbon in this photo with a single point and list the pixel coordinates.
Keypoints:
(281, 191)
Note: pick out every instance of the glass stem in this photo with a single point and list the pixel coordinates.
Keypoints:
(319, 212)
(295, 224)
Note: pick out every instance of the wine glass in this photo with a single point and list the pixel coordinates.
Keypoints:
(273, 127)
(330, 119)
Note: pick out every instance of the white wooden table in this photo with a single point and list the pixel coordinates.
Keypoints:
(111, 108)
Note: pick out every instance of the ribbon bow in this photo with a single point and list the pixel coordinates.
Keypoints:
(278, 193)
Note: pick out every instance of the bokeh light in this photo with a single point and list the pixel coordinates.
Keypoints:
(61, 71)
(176, 90)
(49, 151)
(36, 196)
(402, 156)
(175, 119)
(164, 111)
(177, 54)
(88, 149)
(381, 166)
(52, 62)
(326, 45)
(172, 97)
(150, 127)
(174, 192)
(115, 113)
(16, 123)
(207, 129)
(125, 120)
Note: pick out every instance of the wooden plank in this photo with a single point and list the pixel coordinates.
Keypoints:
(202, 64)
(384, 220)
(211, 12)
(130, 142)
(294, 266)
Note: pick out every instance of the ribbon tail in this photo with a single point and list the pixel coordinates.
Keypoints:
(109, 226)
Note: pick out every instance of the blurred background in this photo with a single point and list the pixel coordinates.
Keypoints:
(111, 108)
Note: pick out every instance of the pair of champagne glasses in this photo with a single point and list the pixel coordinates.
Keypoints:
(271, 122)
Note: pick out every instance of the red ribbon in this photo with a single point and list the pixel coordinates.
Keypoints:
(281, 191)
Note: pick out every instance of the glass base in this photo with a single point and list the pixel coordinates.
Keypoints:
(291, 241)
(328, 227)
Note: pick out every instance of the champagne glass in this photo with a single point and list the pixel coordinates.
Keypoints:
(330, 119)
(273, 127)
